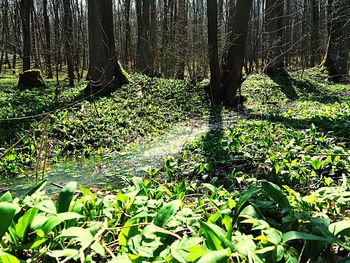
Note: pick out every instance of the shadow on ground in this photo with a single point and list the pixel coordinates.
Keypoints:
(302, 88)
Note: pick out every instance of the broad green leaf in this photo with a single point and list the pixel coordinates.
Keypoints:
(25, 221)
(215, 237)
(316, 164)
(7, 258)
(7, 212)
(80, 234)
(152, 230)
(65, 197)
(338, 227)
(98, 248)
(55, 220)
(47, 206)
(166, 213)
(215, 256)
(179, 248)
(242, 201)
(292, 235)
(276, 194)
(6, 197)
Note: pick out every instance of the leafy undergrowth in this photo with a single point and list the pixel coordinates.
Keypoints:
(153, 221)
(80, 128)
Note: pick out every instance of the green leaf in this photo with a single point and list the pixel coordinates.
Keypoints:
(65, 197)
(7, 258)
(80, 234)
(242, 201)
(215, 237)
(98, 248)
(215, 256)
(7, 212)
(179, 248)
(166, 213)
(47, 206)
(275, 193)
(6, 197)
(55, 220)
(316, 164)
(25, 221)
(338, 227)
(292, 235)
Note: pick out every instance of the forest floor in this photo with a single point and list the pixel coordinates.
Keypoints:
(265, 183)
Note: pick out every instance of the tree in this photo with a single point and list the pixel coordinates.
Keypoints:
(26, 7)
(48, 41)
(231, 76)
(105, 73)
(68, 39)
(336, 58)
(212, 12)
(315, 34)
(143, 59)
(274, 36)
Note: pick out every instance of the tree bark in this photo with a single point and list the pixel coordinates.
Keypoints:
(231, 78)
(274, 36)
(212, 12)
(48, 41)
(105, 73)
(26, 6)
(68, 39)
(336, 58)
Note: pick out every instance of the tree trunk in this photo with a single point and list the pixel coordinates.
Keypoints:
(68, 39)
(315, 34)
(231, 77)
(26, 6)
(336, 58)
(274, 36)
(215, 83)
(127, 34)
(48, 41)
(181, 39)
(154, 39)
(105, 73)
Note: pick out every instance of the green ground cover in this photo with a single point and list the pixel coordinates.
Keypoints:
(266, 184)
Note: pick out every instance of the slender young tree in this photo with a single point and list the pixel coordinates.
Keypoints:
(105, 73)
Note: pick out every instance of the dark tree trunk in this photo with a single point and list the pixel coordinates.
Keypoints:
(274, 36)
(154, 39)
(231, 77)
(48, 41)
(68, 39)
(215, 83)
(181, 39)
(105, 73)
(336, 59)
(315, 34)
(26, 6)
(127, 33)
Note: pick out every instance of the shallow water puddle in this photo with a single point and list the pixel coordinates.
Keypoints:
(100, 172)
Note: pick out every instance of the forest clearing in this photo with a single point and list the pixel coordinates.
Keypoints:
(174, 131)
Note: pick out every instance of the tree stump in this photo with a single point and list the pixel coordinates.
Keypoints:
(30, 79)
